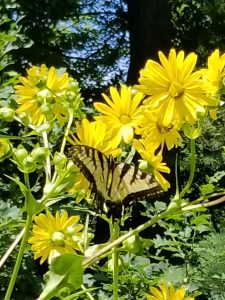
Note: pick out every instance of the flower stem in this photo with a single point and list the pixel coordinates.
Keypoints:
(70, 121)
(115, 257)
(19, 258)
(192, 170)
(48, 161)
(12, 247)
(87, 293)
(87, 262)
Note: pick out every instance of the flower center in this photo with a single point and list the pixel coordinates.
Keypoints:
(176, 90)
(164, 129)
(124, 119)
(58, 238)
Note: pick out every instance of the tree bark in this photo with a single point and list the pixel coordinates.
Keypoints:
(149, 27)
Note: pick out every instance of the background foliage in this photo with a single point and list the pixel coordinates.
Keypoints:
(91, 40)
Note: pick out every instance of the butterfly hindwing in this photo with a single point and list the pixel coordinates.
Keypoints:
(114, 183)
(132, 184)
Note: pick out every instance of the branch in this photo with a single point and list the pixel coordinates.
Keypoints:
(205, 204)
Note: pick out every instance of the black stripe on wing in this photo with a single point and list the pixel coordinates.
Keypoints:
(78, 153)
(91, 164)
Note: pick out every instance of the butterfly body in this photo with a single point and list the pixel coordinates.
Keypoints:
(115, 184)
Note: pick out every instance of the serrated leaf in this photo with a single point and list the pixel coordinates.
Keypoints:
(32, 206)
(65, 271)
(207, 189)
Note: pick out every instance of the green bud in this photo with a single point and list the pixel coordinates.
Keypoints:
(73, 84)
(20, 153)
(144, 166)
(132, 244)
(28, 165)
(25, 118)
(45, 109)
(58, 238)
(39, 154)
(7, 114)
(110, 265)
(60, 160)
(192, 132)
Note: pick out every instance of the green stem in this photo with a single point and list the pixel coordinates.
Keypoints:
(192, 170)
(88, 294)
(176, 178)
(115, 257)
(67, 131)
(19, 258)
(87, 262)
(48, 161)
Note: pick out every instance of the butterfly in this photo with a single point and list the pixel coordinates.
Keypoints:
(115, 184)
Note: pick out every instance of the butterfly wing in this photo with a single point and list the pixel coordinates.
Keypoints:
(114, 183)
(130, 183)
(95, 166)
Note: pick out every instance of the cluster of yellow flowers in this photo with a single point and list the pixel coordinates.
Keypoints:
(44, 95)
(170, 94)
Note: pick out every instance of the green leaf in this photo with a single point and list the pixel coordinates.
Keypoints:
(65, 275)
(32, 206)
(207, 189)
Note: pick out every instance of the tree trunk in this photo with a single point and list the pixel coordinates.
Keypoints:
(149, 26)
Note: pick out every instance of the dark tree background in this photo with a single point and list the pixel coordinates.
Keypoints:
(97, 40)
(149, 28)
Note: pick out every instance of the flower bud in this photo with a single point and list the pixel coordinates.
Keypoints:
(192, 132)
(46, 109)
(25, 118)
(132, 244)
(110, 265)
(58, 238)
(20, 153)
(39, 154)
(7, 114)
(28, 165)
(60, 160)
(143, 165)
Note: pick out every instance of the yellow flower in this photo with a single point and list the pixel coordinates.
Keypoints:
(152, 129)
(96, 135)
(215, 72)
(5, 148)
(53, 236)
(37, 94)
(151, 162)
(167, 292)
(122, 112)
(81, 189)
(177, 91)
(57, 83)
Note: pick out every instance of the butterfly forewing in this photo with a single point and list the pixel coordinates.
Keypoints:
(113, 182)
(94, 165)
